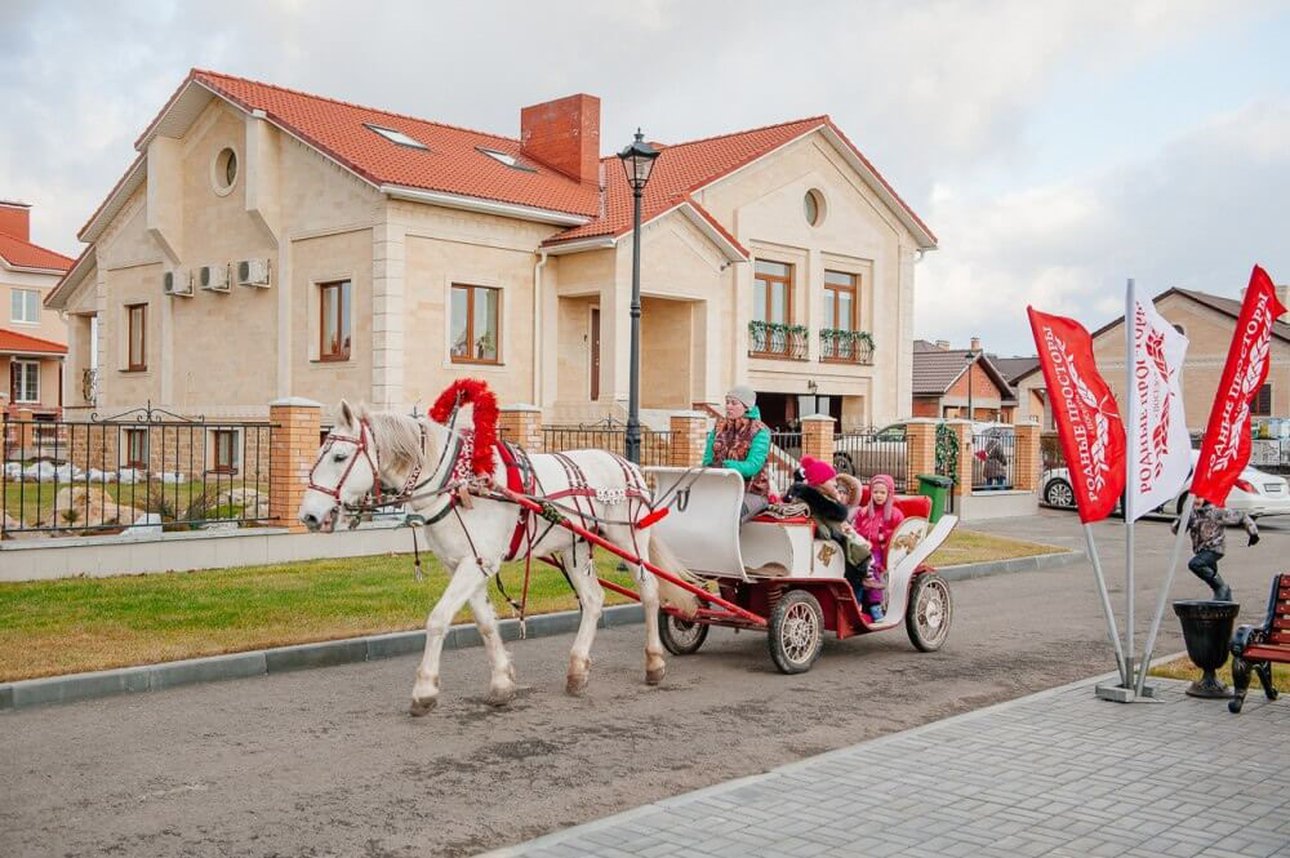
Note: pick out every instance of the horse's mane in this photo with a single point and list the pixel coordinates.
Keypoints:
(399, 437)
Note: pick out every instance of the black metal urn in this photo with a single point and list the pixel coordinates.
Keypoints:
(1207, 629)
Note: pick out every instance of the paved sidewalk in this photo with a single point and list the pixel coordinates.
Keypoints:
(1057, 773)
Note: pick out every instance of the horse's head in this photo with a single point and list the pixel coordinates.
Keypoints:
(344, 473)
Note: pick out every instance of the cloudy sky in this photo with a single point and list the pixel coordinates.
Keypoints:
(1056, 148)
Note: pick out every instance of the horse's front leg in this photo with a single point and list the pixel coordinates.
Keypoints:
(465, 581)
(591, 597)
(655, 664)
(501, 686)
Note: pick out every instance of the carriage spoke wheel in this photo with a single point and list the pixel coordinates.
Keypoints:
(680, 637)
(796, 632)
(927, 619)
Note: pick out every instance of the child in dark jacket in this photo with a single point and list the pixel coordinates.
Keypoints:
(1207, 526)
(817, 487)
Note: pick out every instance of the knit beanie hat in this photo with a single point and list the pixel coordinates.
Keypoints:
(744, 394)
(817, 472)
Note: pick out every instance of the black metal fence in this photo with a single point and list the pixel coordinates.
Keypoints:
(143, 468)
(994, 457)
(608, 435)
(865, 454)
(789, 342)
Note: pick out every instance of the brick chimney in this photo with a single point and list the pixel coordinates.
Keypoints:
(943, 345)
(976, 344)
(564, 135)
(15, 220)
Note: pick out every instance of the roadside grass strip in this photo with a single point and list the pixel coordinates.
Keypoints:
(1182, 668)
(74, 625)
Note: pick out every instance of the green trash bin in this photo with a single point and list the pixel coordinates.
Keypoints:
(937, 488)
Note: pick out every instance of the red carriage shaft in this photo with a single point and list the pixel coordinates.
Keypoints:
(596, 539)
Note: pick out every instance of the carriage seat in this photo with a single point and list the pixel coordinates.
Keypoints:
(913, 506)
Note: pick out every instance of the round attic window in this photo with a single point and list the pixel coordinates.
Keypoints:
(224, 171)
(813, 207)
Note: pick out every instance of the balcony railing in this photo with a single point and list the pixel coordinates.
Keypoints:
(777, 341)
(839, 346)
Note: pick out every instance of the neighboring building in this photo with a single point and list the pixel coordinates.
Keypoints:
(953, 383)
(32, 338)
(387, 255)
(1024, 404)
(1209, 322)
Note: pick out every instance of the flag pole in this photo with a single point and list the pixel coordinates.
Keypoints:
(1106, 606)
(1131, 471)
(1183, 518)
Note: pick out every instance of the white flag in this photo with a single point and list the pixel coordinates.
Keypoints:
(1160, 447)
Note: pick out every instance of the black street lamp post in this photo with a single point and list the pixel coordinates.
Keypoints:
(971, 359)
(638, 161)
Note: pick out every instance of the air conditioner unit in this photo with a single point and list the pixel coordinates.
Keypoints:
(213, 278)
(177, 283)
(253, 272)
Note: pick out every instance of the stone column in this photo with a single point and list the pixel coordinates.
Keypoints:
(689, 431)
(26, 432)
(521, 424)
(963, 431)
(294, 446)
(817, 437)
(1028, 460)
(920, 451)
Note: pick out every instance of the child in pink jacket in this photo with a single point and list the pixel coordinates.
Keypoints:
(876, 521)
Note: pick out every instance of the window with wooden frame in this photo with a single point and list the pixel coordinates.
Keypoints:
(1262, 405)
(772, 292)
(474, 333)
(136, 359)
(335, 304)
(136, 448)
(24, 381)
(224, 449)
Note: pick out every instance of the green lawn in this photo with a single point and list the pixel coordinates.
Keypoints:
(55, 627)
(1182, 668)
(32, 502)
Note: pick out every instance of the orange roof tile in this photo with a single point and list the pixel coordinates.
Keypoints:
(451, 164)
(14, 342)
(24, 254)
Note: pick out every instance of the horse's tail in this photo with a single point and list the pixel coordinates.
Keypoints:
(670, 594)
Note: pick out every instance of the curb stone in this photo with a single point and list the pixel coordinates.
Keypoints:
(155, 677)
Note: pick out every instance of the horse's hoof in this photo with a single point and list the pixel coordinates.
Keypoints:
(501, 696)
(422, 707)
(655, 676)
(574, 686)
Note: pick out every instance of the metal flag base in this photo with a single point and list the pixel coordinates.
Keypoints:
(1121, 693)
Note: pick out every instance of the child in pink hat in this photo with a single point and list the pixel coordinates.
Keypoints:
(876, 521)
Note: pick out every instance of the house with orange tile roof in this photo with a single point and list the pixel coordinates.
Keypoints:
(267, 242)
(33, 339)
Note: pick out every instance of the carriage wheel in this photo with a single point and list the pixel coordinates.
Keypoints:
(796, 632)
(927, 619)
(681, 637)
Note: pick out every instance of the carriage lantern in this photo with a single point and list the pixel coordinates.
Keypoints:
(638, 162)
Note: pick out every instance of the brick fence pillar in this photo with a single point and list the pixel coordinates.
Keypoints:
(521, 424)
(292, 449)
(26, 432)
(1028, 459)
(963, 431)
(817, 437)
(920, 451)
(689, 430)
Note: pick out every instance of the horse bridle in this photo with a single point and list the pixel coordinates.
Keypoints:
(362, 446)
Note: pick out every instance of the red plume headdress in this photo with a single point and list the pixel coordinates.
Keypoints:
(475, 392)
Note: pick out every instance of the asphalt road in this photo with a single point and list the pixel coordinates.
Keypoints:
(327, 762)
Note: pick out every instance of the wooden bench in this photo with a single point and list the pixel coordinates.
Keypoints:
(1254, 648)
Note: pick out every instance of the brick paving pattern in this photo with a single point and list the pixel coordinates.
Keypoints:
(1059, 773)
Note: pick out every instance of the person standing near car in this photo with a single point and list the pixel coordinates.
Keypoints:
(741, 442)
(1207, 526)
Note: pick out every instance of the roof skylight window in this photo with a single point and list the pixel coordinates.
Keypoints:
(503, 158)
(397, 137)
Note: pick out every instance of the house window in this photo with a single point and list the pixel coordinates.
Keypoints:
(224, 444)
(772, 292)
(137, 337)
(1262, 405)
(136, 448)
(474, 324)
(841, 301)
(24, 381)
(334, 328)
(24, 306)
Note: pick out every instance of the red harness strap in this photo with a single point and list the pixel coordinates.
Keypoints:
(515, 481)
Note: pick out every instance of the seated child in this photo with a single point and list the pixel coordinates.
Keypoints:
(876, 521)
(817, 487)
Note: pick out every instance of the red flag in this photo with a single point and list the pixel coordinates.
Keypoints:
(1225, 448)
(1088, 420)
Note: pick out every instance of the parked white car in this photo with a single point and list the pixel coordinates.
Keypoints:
(1256, 492)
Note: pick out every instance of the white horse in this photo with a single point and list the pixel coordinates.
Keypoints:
(471, 536)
